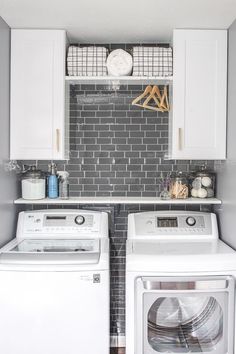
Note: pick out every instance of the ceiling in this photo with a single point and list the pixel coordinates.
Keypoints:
(109, 21)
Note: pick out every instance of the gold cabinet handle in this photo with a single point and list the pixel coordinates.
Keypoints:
(180, 138)
(58, 139)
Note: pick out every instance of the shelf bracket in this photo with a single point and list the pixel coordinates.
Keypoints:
(114, 85)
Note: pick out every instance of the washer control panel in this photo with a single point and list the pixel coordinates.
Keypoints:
(61, 223)
(66, 220)
(171, 223)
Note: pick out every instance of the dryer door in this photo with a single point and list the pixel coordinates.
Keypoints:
(179, 315)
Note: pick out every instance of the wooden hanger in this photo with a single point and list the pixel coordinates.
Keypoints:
(156, 96)
(164, 100)
(136, 101)
(161, 101)
(153, 93)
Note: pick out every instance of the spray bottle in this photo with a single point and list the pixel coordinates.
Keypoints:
(53, 182)
(63, 184)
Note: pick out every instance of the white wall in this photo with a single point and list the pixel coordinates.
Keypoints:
(226, 174)
(8, 184)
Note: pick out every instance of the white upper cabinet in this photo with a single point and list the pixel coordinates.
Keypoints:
(38, 126)
(198, 129)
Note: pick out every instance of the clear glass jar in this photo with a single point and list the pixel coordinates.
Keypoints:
(179, 186)
(33, 184)
(165, 186)
(202, 184)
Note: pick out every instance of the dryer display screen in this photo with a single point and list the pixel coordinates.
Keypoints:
(167, 222)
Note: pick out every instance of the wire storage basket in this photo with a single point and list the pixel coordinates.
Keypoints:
(152, 61)
(86, 61)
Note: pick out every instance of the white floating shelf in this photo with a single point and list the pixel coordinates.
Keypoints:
(118, 200)
(130, 80)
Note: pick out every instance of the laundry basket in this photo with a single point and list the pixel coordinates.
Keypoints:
(152, 61)
(86, 61)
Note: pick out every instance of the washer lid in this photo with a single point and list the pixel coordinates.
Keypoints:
(79, 251)
(58, 245)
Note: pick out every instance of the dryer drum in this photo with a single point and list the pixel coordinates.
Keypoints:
(189, 324)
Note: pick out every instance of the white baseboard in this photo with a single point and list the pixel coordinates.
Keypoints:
(117, 341)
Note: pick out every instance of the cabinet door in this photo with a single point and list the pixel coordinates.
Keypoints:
(199, 94)
(37, 94)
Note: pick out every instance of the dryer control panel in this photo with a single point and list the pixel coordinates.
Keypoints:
(172, 224)
(187, 223)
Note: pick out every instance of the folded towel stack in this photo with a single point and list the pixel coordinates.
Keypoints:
(87, 61)
(152, 61)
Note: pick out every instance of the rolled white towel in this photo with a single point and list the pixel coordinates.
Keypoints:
(119, 63)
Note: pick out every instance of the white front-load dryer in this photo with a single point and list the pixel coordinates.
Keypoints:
(180, 285)
(54, 280)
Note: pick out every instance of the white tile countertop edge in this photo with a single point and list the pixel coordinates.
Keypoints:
(118, 200)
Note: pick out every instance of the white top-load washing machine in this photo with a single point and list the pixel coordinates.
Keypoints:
(180, 285)
(54, 284)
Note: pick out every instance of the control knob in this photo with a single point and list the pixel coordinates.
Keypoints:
(191, 221)
(79, 219)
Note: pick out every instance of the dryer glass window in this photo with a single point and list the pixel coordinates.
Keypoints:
(185, 324)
